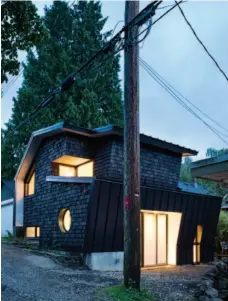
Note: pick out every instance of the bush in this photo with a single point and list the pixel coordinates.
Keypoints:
(120, 293)
(222, 230)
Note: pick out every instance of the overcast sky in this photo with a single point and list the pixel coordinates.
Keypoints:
(172, 50)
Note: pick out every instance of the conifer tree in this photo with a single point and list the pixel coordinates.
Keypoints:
(75, 33)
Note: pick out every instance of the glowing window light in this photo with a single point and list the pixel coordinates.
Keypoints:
(64, 220)
(152, 238)
(161, 239)
(196, 244)
(31, 185)
(32, 232)
(67, 171)
(85, 170)
(149, 239)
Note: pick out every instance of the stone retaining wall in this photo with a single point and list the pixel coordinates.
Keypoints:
(214, 285)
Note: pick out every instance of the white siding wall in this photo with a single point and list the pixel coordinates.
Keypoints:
(6, 217)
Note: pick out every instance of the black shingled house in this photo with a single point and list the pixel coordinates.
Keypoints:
(69, 195)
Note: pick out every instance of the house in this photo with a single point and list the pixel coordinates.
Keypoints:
(69, 195)
(214, 169)
(7, 199)
(194, 188)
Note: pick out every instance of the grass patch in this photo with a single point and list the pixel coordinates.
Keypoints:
(120, 293)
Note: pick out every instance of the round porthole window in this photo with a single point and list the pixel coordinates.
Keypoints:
(64, 220)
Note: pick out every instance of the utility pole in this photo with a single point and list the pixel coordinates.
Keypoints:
(131, 152)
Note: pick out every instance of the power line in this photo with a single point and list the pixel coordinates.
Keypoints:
(15, 78)
(173, 94)
(202, 44)
(147, 12)
(176, 97)
(186, 99)
(158, 19)
(73, 2)
(170, 5)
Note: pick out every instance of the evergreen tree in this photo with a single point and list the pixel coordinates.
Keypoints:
(185, 172)
(21, 29)
(74, 35)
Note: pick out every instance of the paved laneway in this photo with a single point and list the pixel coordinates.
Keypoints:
(27, 277)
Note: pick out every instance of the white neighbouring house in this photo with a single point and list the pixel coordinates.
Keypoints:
(7, 200)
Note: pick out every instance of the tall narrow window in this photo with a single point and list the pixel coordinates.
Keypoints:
(196, 244)
(30, 184)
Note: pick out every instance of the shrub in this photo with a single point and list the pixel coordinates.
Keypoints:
(222, 230)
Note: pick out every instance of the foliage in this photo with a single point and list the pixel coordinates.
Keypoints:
(185, 172)
(212, 152)
(75, 33)
(222, 229)
(120, 293)
(21, 29)
(8, 237)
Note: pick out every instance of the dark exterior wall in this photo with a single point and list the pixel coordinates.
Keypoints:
(157, 169)
(53, 148)
(102, 150)
(43, 208)
(104, 231)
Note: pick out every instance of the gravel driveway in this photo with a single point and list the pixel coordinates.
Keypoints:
(28, 277)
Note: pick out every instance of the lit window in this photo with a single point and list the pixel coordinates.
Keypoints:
(196, 244)
(67, 171)
(85, 170)
(32, 232)
(30, 184)
(64, 220)
(69, 166)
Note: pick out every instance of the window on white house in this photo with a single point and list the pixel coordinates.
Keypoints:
(32, 232)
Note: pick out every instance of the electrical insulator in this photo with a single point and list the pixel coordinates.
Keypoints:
(67, 83)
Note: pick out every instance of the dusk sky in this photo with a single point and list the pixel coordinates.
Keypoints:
(173, 51)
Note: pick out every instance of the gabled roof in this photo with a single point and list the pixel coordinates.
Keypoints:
(108, 130)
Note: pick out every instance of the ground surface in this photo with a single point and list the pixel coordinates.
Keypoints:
(28, 277)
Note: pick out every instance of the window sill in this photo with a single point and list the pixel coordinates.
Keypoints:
(29, 195)
(70, 179)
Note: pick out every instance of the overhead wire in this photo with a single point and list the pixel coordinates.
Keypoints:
(15, 78)
(159, 79)
(109, 46)
(201, 43)
(186, 99)
(147, 68)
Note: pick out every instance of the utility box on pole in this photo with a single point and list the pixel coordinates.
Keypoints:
(131, 152)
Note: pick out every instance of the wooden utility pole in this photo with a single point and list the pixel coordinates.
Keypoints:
(131, 152)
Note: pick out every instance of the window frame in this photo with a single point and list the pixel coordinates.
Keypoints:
(36, 232)
(61, 217)
(28, 179)
(55, 168)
